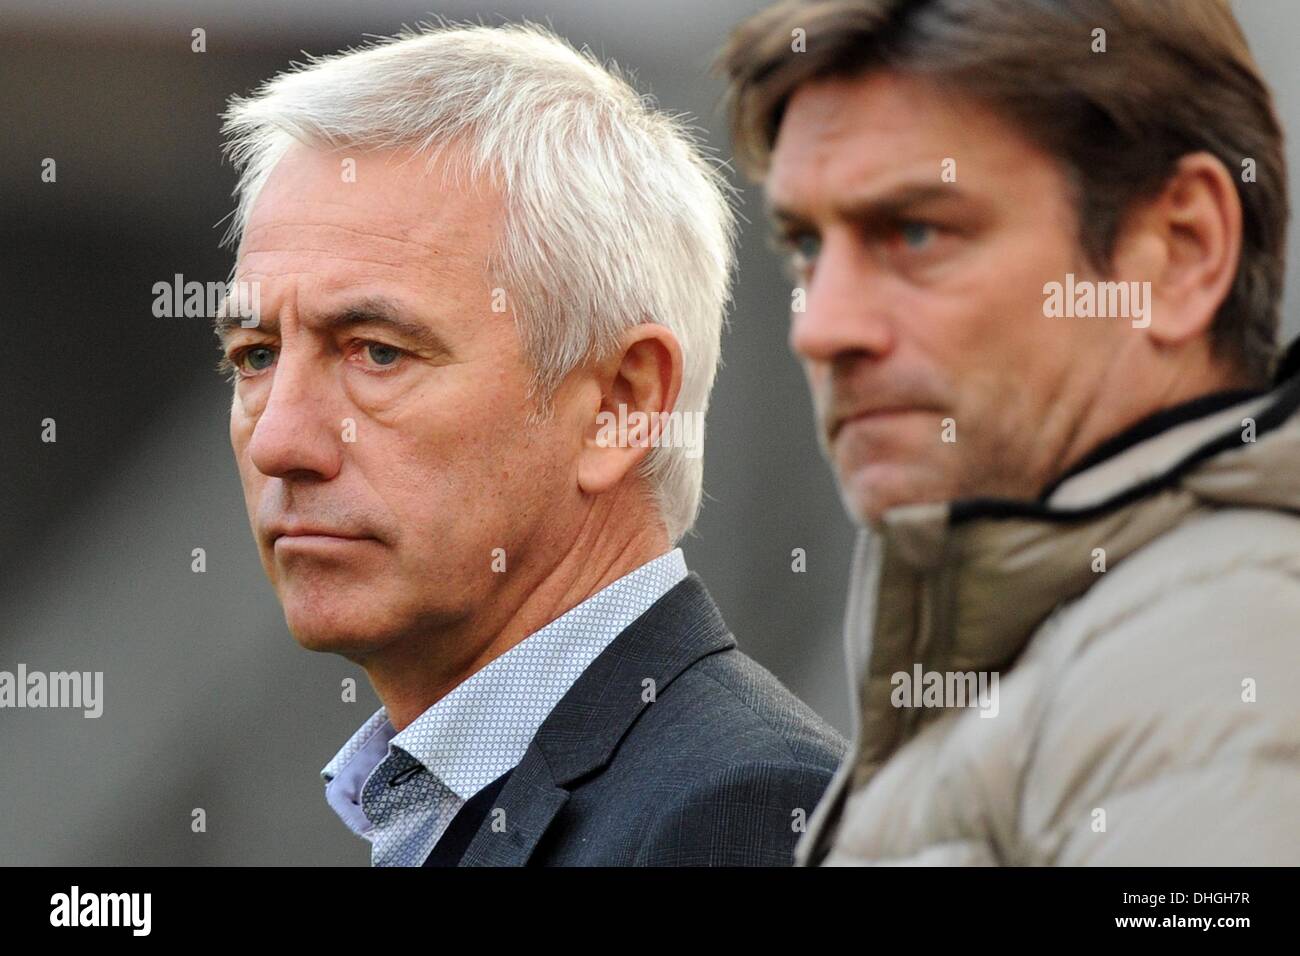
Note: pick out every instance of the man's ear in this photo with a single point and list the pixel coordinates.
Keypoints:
(1187, 243)
(639, 383)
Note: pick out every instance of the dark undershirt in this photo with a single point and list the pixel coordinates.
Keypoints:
(463, 827)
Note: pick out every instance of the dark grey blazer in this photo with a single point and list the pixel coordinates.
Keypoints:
(721, 769)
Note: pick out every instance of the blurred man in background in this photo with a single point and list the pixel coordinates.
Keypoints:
(1039, 249)
(474, 250)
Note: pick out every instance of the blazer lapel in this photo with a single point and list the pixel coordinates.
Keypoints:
(584, 730)
(524, 809)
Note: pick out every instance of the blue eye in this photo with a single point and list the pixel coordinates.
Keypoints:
(259, 358)
(382, 354)
(916, 234)
(808, 246)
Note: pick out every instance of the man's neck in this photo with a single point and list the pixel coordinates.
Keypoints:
(412, 675)
(1114, 408)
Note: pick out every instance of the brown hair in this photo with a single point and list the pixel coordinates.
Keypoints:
(1176, 77)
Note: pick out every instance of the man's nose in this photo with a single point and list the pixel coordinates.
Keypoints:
(296, 435)
(842, 311)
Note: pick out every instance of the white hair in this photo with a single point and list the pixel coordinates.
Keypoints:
(614, 215)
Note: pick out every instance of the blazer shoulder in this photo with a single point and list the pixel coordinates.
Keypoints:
(742, 764)
(742, 712)
(748, 814)
(674, 748)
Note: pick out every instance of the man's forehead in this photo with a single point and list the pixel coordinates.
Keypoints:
(878, 133)
(386, 196)
(394, 226)
(314, 232)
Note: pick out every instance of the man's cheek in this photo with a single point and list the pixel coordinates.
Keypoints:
(241, 432)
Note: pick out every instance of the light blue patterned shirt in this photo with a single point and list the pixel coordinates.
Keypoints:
(400, 791)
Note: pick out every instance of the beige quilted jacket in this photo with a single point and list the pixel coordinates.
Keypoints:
(1147, 713)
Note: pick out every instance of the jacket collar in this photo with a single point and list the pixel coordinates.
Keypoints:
(1155, 453)
(585, 729)
(1153, 425)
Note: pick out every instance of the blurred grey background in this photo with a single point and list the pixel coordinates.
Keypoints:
(209, 702)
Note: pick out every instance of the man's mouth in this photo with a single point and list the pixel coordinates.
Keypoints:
(318, 544)
(301, 535)
(871, 414)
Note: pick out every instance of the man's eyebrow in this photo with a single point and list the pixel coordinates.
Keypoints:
(389, 315)
(229, 317)
(371, 311)
(882, 208)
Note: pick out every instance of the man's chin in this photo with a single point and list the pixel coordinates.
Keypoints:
(316, 629)
(869, 491)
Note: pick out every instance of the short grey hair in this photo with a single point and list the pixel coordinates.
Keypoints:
(614, 216)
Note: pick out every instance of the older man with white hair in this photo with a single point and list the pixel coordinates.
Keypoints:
(474, 248)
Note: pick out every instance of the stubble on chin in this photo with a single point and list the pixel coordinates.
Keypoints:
(869, 492)
(905, 472)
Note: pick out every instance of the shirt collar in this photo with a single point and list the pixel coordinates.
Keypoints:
(482, 728)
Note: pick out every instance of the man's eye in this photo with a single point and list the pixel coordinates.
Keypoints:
(256, 359)
(916, 235)
(806, 247)
(799, 251)
(382, 354)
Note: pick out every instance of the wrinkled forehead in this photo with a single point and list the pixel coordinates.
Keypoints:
(388, 208)
(851, 132)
